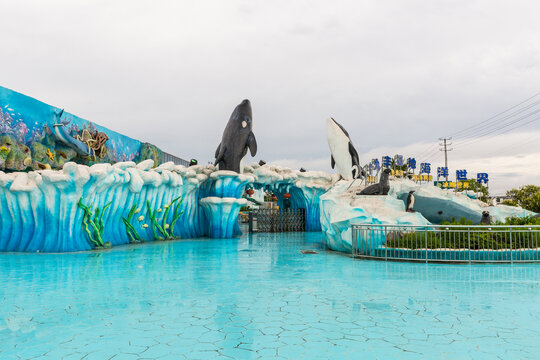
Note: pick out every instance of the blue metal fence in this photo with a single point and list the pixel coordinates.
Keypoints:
(447, 243)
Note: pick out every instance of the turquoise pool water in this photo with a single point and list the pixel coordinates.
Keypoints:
(260, 297)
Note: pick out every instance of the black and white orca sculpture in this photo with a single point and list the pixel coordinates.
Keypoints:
(237, 138)
(343, 153)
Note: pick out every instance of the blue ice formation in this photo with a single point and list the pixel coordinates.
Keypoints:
(83, 207)
(40, 209)
(223, 204)
(305, 188)
(228, 184)
(222, 215)
(341, 207)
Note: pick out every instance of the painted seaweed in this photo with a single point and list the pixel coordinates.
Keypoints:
(132, 233)
(93, 224)
(164, 231)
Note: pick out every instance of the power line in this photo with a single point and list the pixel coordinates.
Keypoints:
(483, 130)
(473, 141)
(490, 131)
(494, 117)
(498, 121)
(428, 154)
(428, 150)
(473, 133)
(534, 139)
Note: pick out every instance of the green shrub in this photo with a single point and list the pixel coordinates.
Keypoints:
(462, 221)
(527, 220)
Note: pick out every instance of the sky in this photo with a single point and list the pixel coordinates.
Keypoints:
(396, 74)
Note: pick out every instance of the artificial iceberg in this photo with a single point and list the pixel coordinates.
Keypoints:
(305, 188)
(82, 207)
(85, 207)
(341, 207)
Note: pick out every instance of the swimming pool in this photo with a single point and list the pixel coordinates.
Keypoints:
(258, 296)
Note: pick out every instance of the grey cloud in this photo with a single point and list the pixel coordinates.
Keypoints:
(393, 73)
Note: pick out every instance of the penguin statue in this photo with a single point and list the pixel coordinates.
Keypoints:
(486, 219)
(410, 202)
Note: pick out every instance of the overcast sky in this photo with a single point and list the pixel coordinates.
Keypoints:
(396, 74)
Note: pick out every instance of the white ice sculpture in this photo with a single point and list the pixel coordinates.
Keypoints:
(222, 215)
(305, 188)
(341, 207)
(223, 202)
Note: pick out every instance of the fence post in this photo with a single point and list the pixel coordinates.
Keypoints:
(469, 242)
(385, 234)
(353, 243)
(511, 248)
(425, 236)
(353, 231)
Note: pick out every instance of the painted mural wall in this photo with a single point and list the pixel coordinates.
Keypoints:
(37, 136)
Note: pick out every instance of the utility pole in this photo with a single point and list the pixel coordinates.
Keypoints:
(445, 143)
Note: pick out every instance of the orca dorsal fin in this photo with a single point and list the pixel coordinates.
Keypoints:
(332, 161)
(354, 155)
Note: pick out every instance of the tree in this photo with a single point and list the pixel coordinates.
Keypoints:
(527, 196)
(477, 188)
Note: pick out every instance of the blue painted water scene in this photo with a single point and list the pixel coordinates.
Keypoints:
(265, 180)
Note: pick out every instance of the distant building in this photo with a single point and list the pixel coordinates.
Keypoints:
(498, 199)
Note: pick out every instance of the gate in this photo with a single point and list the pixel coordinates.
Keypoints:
(270, 220)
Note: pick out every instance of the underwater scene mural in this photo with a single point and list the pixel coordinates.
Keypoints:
(38, 136)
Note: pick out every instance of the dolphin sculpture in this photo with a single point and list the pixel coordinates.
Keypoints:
(237, 138)
(343, 153)
(65, 138)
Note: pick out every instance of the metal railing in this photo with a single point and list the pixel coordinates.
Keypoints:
(270, 220)
(166, 157)
(447, 243)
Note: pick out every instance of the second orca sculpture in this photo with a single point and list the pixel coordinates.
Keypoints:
(237, 138)
(343, 153)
